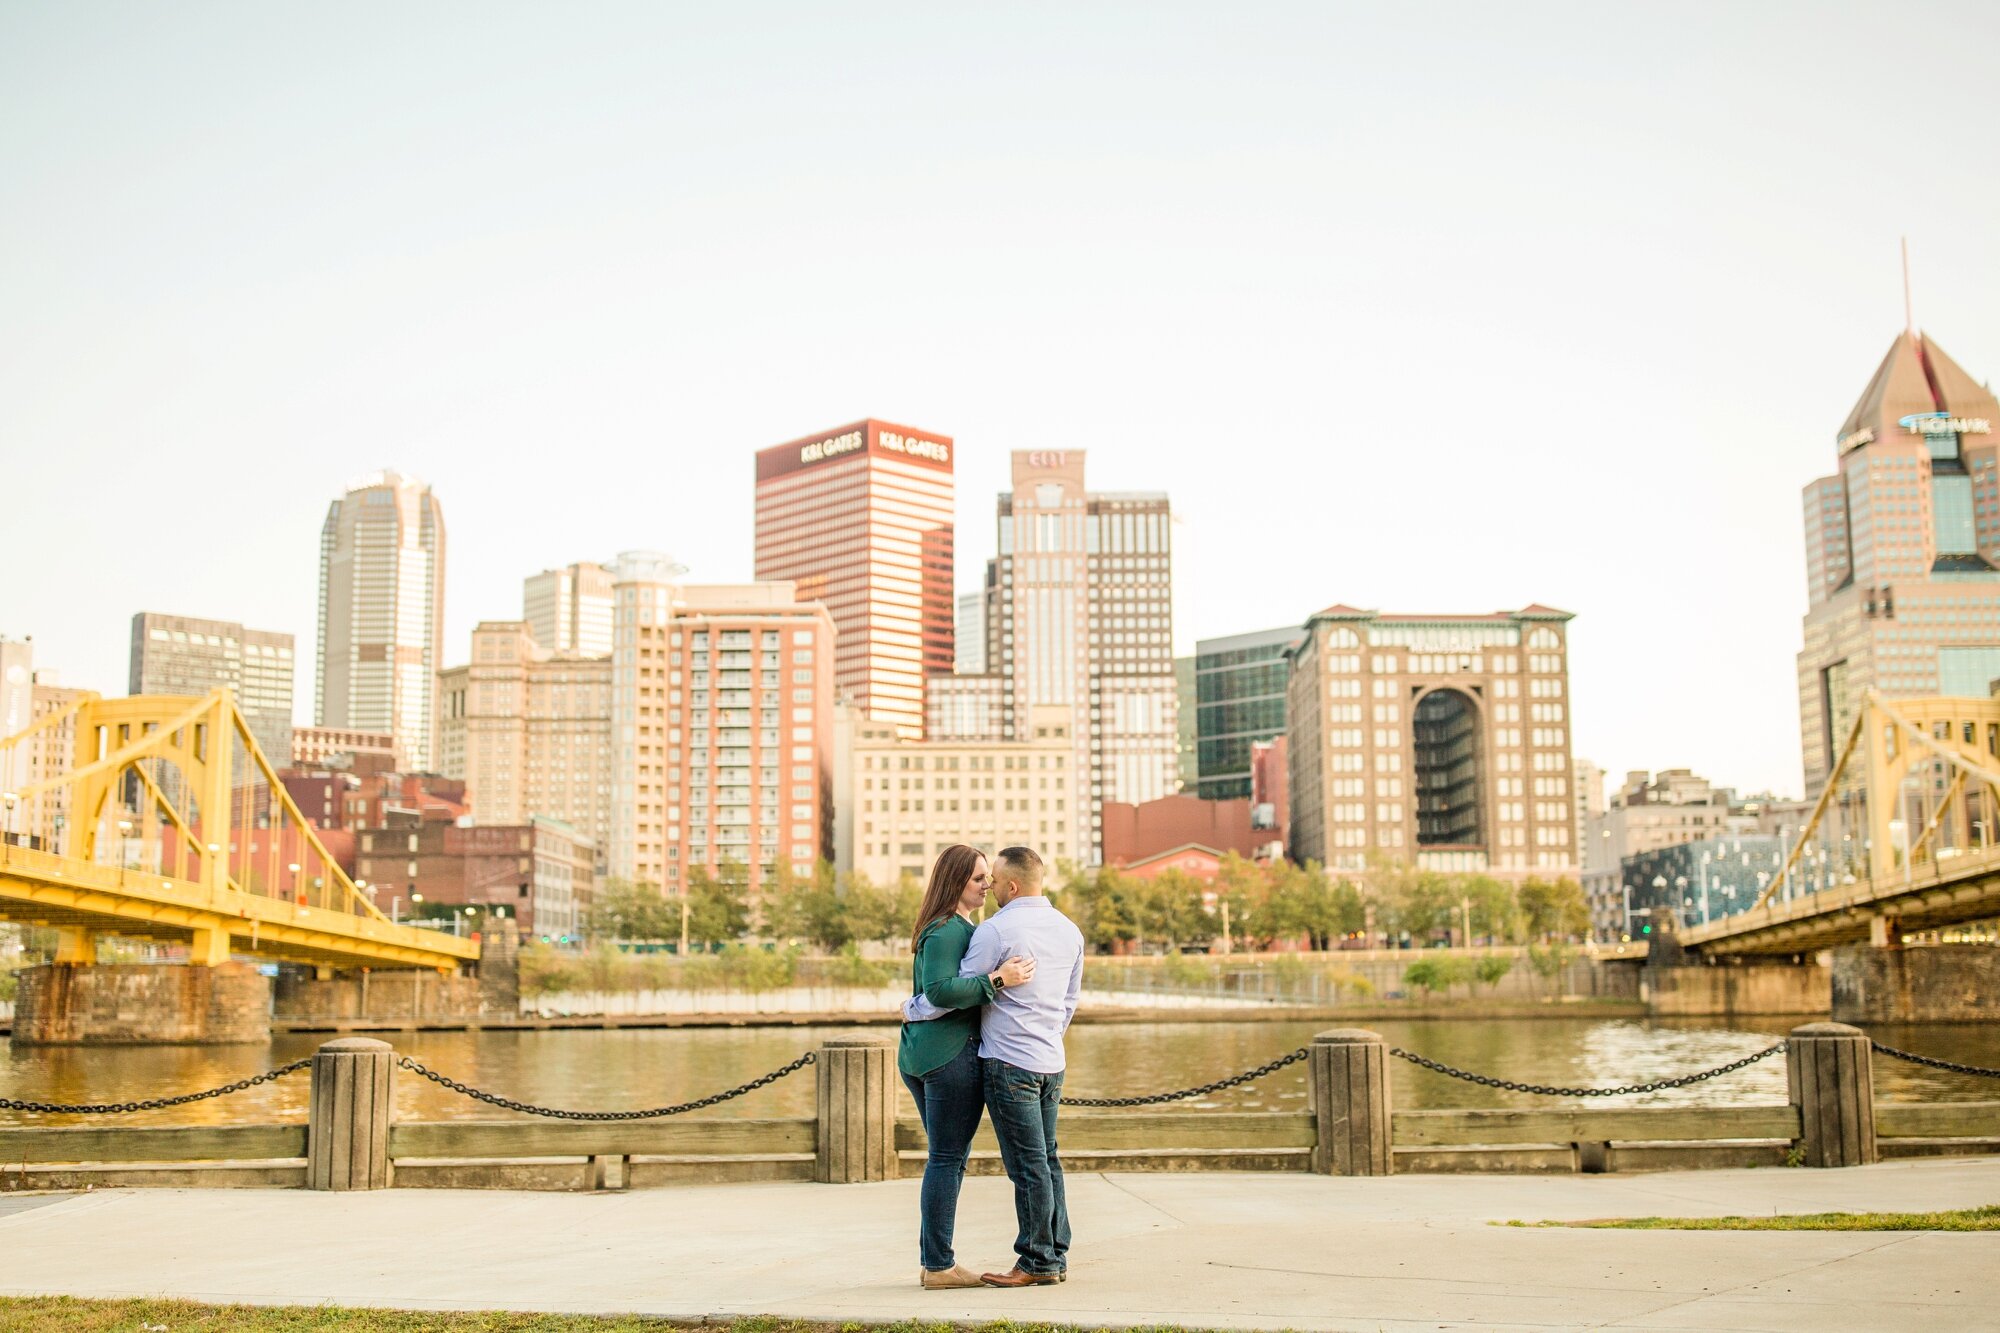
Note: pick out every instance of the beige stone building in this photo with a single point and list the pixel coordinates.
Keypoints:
(529, 730)
(1437, 741)
(913, 799)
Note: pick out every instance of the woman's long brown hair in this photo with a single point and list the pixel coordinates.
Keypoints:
(954, 867)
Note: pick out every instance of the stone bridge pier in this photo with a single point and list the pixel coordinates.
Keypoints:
(123, 1004)
(1932, 983)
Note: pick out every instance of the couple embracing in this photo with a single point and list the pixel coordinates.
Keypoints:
(983, 1031)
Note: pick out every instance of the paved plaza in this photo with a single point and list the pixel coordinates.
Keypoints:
(1208, 1250)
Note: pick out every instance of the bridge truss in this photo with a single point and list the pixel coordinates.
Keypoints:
(136, 820)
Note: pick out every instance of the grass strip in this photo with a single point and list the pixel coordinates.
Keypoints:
(69, 1314)
(1955, 1219)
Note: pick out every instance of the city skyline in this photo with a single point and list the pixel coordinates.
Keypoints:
(1642, 326)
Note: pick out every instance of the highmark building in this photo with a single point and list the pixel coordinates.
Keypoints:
(1437, 741)
(1902, 549)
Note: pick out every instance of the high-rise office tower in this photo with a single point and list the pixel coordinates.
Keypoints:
(1902, 549)
(969, 649)
(183, 655)
(381, 614)
(1239, 685)
(860, 519)
(1439, 741)
(568, 610)
(722, 727)
(1080, 613)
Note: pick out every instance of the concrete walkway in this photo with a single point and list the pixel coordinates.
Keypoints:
(1204, 1250)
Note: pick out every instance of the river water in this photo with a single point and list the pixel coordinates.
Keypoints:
(620, 1070)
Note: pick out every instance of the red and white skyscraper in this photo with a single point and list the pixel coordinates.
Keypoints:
(860, 519)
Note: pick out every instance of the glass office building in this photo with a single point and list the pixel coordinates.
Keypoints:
(1239, 685)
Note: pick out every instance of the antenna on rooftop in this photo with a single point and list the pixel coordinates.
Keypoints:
(1909, 322)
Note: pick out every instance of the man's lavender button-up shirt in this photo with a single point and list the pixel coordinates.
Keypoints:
(1024, 1025)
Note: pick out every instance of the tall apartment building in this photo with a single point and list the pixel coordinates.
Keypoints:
(1080, 613)
(721, 727)
(1239, 703)
(530, 731)
(381, 614)
(860, 519)
(568, 610)
(1439, 741)
(913, 799)
(1902, 549)
(184, 655)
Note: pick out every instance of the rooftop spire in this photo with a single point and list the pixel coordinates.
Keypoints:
(1909, 323)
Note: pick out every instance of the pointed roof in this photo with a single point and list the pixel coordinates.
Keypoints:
(1916, 377)
(1957, 392)
(1898, 389)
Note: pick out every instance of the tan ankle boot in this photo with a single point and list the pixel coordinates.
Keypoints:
(958, 1275)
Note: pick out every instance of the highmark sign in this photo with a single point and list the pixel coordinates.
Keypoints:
(1944, 423)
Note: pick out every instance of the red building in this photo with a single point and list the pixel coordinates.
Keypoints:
(1137, 834)
(539, 873)
(335, 798)
(860, 518)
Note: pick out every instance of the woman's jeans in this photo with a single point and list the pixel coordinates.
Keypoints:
(949, 1101)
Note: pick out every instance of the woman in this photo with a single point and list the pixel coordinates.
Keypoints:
(939, 1059)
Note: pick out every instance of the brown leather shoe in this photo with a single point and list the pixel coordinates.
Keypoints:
(1014, 1277)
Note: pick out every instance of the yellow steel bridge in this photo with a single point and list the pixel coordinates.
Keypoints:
(231, 865)
(1902, 840)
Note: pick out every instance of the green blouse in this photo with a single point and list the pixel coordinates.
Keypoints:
(934, 975)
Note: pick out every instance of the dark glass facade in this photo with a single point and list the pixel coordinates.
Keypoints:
(1239, 701)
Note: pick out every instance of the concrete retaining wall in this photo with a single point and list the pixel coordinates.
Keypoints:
(1704, 992)
(418, 994)
(120, 1004)
(1939, 983)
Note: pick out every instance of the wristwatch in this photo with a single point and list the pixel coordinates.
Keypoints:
(999, 982)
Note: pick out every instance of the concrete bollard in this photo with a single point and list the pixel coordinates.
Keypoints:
(347, 1121)
(1349, 1069)
(1827, 1066)
(856, 1081)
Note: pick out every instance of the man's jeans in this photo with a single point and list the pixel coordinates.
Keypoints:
(1023, 1105)
(949, 1100)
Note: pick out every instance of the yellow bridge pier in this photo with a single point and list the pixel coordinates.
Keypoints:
(227, 866)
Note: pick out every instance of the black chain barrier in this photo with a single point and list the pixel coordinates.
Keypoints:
(154, 1104)
(556, 1113)
(1184, 1093)
(1978, 1071)
(1541, 1090)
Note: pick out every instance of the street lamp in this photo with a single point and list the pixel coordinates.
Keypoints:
(12, 799)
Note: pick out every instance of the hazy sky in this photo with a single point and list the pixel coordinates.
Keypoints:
(1422, 307)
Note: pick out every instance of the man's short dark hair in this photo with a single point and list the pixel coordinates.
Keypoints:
(1020, 864)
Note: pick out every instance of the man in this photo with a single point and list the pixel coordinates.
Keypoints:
(1021, 1043)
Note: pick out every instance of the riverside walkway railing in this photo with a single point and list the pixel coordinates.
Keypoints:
(351, 1139)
